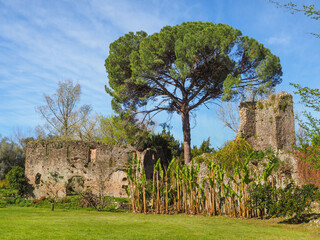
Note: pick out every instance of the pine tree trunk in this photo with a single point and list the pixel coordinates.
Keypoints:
(186, 137)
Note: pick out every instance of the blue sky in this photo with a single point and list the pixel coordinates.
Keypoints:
(43, 42)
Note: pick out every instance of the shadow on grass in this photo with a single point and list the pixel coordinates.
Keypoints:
(117, 210)
(304, 218)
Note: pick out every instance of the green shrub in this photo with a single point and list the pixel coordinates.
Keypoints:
(17, 180)
(11, 197)
(234, 151)
(290, 201)
(261, 197)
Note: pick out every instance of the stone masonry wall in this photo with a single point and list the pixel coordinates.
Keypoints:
(268, 123)
(81, 166)
(100, 168)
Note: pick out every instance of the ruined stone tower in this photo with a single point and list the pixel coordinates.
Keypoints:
(268, 123)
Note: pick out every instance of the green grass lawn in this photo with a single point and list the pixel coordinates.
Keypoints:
(41, 223)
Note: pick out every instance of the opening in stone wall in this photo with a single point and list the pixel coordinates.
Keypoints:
(92, 155)
(37, 178)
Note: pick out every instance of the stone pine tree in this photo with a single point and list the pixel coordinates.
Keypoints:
(185, 66)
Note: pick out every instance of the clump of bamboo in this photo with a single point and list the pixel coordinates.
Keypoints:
(179, 189)
(136, 190)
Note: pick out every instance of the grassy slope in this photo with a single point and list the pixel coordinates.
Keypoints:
(36, 223)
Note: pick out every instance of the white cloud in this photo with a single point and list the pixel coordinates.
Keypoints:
(281, 39)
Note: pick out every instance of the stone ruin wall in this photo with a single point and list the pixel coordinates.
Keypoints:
(101, 168)
(268, 123)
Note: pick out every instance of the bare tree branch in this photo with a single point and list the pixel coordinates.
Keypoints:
(228, 113)
(60, 113)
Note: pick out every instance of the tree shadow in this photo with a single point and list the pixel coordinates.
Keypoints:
(28, 191)
(304, 218)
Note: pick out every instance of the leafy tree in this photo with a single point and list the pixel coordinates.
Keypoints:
(123, 129)
(172, 147)
(204, 148)
(165, 141)
(307, 9)
(113, 131)
(310, 98)
(182, 67)
(10, 155)
(61, 113)
(310, 145)
(89, 129)
(17, 180)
